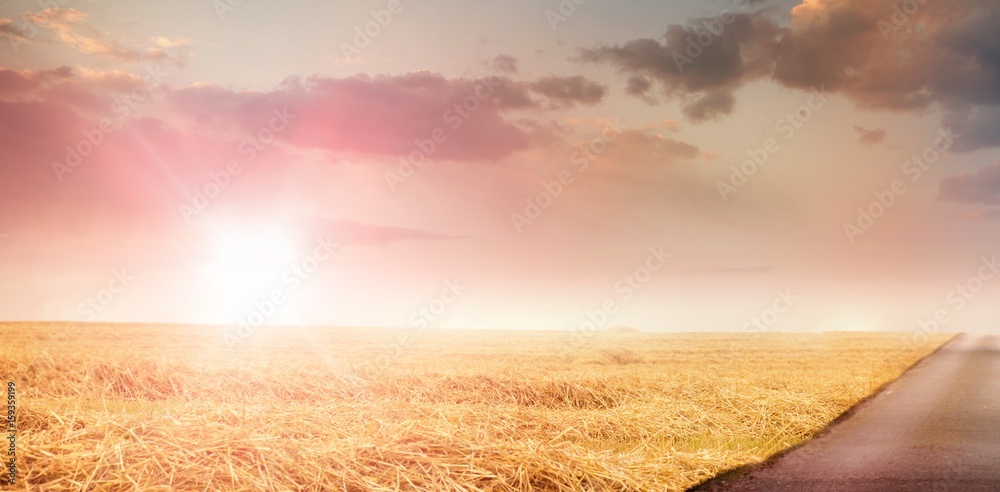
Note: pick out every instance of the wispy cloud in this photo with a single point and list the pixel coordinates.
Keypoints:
(73, 30)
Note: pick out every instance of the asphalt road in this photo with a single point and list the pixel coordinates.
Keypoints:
(937, 428)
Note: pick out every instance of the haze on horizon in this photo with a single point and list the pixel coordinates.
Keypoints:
(516, 165)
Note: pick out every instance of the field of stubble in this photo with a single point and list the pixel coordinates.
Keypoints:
(155, 407)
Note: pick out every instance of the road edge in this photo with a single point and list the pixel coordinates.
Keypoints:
(738, 473)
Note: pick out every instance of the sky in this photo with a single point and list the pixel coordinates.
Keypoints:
(720, 165)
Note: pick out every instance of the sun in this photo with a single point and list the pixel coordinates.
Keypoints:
(248, 264)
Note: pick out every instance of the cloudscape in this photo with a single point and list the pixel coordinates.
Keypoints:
(671, 166)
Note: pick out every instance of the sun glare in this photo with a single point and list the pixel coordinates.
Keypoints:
(247, 263)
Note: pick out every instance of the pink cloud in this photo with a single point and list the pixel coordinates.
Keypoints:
(15, 82)
(381, 115)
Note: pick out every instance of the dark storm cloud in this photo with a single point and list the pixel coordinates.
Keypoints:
(569, 90)
(706, 59)
(882, 54)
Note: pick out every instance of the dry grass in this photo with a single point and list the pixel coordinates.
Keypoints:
(172, 408)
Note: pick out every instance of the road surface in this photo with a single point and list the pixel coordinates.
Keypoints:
(937, 428)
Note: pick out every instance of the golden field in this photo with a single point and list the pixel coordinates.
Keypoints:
(159, 407)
